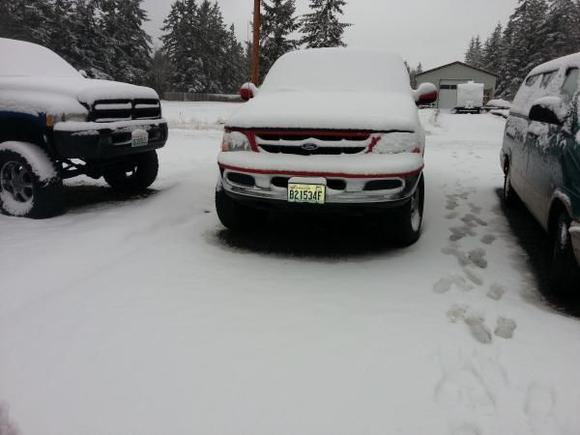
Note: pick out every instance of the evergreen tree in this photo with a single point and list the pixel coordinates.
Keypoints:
(126, 44)
(526, 47)
(563, 28)
(278, 24)
(159, 74)
(203, 53)
(474, 54)
(322, 27)
(492, 51)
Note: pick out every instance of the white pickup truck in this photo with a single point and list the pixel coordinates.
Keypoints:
(330, 130)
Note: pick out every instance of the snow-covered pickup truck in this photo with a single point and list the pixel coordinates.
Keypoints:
(56, 124)
(329, 130)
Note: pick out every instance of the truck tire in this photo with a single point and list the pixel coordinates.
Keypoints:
(405, 223)
(509, 195)
(235, 216)
(135, 175)
(29, 183)
(564, 271)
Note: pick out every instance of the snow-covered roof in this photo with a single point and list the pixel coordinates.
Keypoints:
(333, 88)
(338, 69)
(556, 64)
(457, 63)
(27, 59)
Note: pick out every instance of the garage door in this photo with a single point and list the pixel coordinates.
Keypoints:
(448, 93)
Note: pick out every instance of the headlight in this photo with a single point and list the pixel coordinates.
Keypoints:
(235, 141)
(396, 143)
(74, 117)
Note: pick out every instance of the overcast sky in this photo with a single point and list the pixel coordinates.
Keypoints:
(433, 32)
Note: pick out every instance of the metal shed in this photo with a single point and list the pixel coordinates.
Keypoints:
(447, 77)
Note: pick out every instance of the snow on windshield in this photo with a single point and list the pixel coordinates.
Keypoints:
(338, 69)
(28, 59)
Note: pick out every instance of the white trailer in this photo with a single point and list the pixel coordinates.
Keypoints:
(469, 97)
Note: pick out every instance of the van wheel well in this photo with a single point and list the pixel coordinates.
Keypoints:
(506, 164)
(557, 208)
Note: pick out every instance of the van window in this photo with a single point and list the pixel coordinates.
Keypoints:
(547, 78)
(532, 80)
(570, 85)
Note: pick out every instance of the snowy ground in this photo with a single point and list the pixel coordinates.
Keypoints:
(144, 316)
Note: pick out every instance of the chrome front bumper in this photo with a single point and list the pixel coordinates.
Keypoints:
(354, 185)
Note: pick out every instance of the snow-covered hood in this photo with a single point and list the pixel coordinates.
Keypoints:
(329, 110)
(63, 94)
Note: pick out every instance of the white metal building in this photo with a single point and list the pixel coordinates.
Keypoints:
(447, 77)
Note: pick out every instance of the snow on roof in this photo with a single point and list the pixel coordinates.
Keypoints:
(338, 69)
(27, 59)
(556, 64)
(456, 63)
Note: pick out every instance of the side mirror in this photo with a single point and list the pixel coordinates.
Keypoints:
(547, 110)
(248, 91)
(84, 73)
(426, 93)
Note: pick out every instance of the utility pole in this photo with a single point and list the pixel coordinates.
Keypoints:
(256, 43)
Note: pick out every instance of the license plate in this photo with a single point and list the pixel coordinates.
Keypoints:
(307, 193)
(139, 138)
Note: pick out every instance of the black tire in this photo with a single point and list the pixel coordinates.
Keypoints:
(235, 216)
(509, 195)
(22, 193)
(564, 271)
(134, 175)
(403, 225)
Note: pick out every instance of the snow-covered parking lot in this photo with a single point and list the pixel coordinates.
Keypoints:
(144, 316)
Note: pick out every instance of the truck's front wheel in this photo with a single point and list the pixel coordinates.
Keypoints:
(29, 183)
(236, 216)
(403, 225)
(135, 175)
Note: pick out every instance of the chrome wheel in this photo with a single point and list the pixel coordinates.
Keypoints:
(17, 180)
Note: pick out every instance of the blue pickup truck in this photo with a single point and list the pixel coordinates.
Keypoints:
(56, 124)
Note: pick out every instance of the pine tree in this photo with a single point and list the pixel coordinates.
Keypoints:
(159, 74)
(526, 47)
(127, 45)
(563, 28)
(492, 51)
(203, 52)
(322, 27)
(474, 54)
(278, 24)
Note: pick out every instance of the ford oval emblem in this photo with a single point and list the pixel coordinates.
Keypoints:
(310, 147)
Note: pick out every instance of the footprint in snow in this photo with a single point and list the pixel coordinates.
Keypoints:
(447, 283)
(478, 329)
(473, 220)
(477, 257)
(496, 292)
(488, 239)
(458, 233)
(474, 208)
(505, 328)
(457, 313)
(461, 256)
(473, 275)
(452, 215)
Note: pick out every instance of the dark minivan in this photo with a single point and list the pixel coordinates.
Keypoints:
(541, 160)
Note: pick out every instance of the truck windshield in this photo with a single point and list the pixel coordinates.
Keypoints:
(23, 59)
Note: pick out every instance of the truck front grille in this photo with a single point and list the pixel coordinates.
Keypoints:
(301, 151)
(125, 110)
